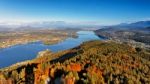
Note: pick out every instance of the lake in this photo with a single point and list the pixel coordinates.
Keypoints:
(22, 52)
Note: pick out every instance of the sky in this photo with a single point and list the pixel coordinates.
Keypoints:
(88, 11)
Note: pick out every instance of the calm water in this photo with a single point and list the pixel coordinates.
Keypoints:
(18, 53)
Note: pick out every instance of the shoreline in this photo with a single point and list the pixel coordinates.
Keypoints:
(27, 61)
(51, 42)
(122, 40)
(47, 37)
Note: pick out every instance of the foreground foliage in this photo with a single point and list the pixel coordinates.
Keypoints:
(93, 62)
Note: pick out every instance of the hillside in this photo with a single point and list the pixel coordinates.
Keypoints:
(93, 62)
(136, 36)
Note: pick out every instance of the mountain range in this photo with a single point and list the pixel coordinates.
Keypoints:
(48, 24)
(138, 24)
(65, 25)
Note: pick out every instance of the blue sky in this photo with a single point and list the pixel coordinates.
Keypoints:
(94, 11)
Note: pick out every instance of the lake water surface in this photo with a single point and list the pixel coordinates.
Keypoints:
(22, 52)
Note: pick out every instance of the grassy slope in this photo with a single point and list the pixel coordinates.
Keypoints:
(92, 62)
